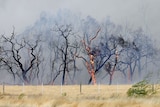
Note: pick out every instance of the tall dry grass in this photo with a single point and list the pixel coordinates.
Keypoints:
(71, 96)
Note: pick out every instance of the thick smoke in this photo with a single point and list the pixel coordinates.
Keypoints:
(44, 29)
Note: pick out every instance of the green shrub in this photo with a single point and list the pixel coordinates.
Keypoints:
(140, 89)
(21, 96)
(64, 94)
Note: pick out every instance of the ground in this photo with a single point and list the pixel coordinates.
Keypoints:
(73, 96)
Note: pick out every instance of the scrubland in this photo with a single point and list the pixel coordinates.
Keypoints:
(73, 96)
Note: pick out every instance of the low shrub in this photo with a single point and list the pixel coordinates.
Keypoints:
(64, 94)
(21, 96)
(140, 89)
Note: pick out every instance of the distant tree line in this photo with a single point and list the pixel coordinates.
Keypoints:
(70, 47)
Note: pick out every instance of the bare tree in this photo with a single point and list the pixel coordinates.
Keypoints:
(108, 57)
(53, 61)
(134, 53)
(15, 57)
(91, 53)
(73, 66)
(65, 50)
(109, 50)
(110, 69)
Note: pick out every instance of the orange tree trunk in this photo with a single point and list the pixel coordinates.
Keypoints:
(93, 77)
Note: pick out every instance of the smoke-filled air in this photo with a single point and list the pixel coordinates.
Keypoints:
(79, 42)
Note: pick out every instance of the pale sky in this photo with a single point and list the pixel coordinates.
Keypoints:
(135, 13)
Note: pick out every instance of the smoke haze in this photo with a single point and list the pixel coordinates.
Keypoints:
(133, 13)
(29, 17)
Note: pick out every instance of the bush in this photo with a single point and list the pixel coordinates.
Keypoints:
(64, 94)
(140, 89)
(21, 96)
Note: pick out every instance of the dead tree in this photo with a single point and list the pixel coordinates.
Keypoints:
(110, 69)
(90, 61)
(16, 51)
(64, 48)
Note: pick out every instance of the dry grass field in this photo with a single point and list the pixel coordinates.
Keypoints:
(73, 96)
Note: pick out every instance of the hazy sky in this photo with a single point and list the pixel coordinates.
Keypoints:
(135, 13)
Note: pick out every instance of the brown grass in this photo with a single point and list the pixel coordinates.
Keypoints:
(70, 96)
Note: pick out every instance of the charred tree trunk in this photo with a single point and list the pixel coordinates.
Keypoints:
(90, 65)
(109, 69)
(93, 77)
(110, 80)
(15, 50)
(65, 57)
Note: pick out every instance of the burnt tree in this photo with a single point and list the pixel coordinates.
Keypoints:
(16, 51)
(110, 69)
(91, 55)
(64, 47)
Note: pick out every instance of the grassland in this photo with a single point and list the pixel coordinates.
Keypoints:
(73, 96)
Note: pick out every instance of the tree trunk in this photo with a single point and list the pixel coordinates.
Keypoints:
(139, 69)
(24, 77)
(63, 77)
(93, 77)
(110, 79)
(131, 73)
